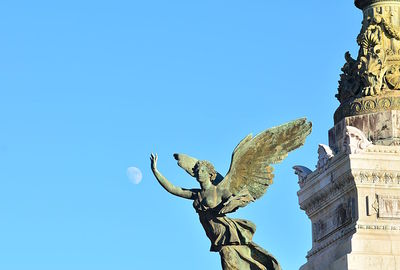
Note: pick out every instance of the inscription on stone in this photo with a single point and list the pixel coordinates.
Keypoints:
(389, 207)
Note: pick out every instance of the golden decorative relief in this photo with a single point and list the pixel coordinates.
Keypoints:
(377, 67)
(370, 105)
(365, 105)
(392, 77)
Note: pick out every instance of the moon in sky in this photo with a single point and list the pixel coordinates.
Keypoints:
(134, 174)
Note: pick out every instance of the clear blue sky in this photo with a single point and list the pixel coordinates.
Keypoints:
(89, 88)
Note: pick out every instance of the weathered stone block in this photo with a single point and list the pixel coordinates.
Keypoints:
(380, 128)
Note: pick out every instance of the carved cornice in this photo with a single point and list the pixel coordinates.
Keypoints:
(312, 178)
(335, 189)
(345, 183)
(342, 233)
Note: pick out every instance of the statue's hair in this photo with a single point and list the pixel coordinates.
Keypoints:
(208, 165)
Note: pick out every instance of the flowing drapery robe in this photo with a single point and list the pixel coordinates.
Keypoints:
(232, 238)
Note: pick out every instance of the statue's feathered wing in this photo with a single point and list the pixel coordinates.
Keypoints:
(251, 160)
(250, 172)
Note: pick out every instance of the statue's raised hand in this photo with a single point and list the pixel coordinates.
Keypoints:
(177, 191)
(153, 159)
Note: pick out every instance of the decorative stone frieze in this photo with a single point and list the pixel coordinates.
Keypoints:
(388, 206)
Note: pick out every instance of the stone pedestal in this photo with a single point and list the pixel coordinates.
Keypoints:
(353, 197)
(353, 201)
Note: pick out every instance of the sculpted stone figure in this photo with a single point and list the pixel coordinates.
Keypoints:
(248, 178)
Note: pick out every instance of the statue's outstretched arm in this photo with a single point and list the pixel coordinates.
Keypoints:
(168, 186)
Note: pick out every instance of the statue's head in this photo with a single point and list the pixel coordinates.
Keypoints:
(204, 171)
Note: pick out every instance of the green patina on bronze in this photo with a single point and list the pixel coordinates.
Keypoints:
(248, 178)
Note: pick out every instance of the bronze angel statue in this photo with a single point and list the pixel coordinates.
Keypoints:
(248, 178)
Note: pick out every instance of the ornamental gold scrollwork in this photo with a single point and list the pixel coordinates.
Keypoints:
(392, 77)
(384, 103)
(366, 105)
(356, 107)
(370, 105)
(377, 67)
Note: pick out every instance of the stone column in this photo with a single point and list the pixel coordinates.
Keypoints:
(353, 196)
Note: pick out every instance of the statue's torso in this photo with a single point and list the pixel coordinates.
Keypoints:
(220, 229)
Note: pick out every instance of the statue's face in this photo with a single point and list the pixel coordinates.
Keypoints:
(203, 174)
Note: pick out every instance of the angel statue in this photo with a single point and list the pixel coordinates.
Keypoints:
(248, 178)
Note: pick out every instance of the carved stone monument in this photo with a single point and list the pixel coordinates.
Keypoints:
(353, 196)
